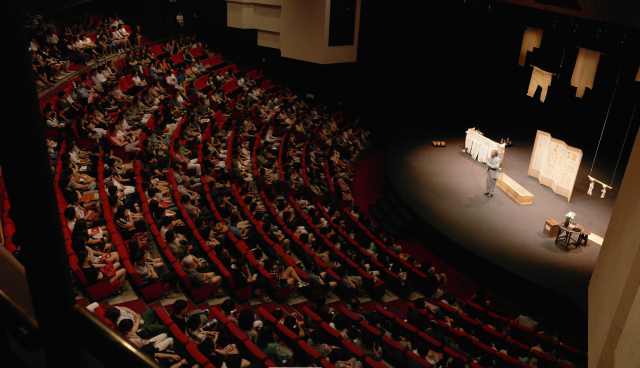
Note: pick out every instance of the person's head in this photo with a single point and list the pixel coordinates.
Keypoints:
(396, 330)
(317, 336)
(340, 321)
(233, 220)
(367, 339)
(494, 153)
(309, 265)
(112, 314)
(355, 303)
(72, 198)
(353, 332)
(291, 323)
(152, 192)
(419, 303)
(265, 336)
(228, 306)
(188, 262)
(186, 199)
(139, 257)
(170, 236)
(70, 213)
(207, 347)
(336, 355)
(451, 299)
(194, 323)
(149, 350)
(277, 314)
(245, 320)
(167, 222)
(125, 326)
(241, 263)
(120, 211)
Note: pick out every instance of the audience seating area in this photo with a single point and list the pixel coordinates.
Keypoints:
(254, 157)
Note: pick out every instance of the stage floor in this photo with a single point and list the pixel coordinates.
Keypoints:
(444, 186)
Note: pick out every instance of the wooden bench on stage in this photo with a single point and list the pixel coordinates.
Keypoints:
(514, 190)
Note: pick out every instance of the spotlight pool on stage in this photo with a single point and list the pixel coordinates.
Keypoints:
(444, 186)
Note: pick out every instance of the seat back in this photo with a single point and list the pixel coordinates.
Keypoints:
(521, 333)
(505, 361)
(393, 351)
(415, 361)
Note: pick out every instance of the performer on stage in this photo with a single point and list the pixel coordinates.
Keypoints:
(492, 173)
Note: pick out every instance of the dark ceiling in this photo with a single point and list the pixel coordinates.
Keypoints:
(619, 12)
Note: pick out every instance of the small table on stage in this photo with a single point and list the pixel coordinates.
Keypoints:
(566, 235)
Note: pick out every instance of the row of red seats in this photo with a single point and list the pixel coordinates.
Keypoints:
(241, 293)
(7, 226)
(178, 335)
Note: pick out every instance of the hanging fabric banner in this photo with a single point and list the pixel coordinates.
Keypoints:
(584, 72)
(532, 38)
(539, 78)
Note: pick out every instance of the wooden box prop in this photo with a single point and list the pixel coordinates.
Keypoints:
(551, 228)
(514, 190)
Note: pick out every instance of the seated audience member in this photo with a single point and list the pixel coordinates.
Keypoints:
(196, 332)
(146, 270)
(179, 314)
(316, 341)
(452, 301)
(527, 321)
(242, 275)
(147, 328)
(247, 323)
(165, 359)
(354, 307)
(197, 279)
(316, 280)
(433, 358)
(325, 313)
(93, 272)
(418, 319)
(228, 307)
(222, 352)
(369, 346)
(128, 329)
(297, 327)
(279, 354)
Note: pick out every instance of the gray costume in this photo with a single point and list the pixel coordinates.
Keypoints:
(492, 174)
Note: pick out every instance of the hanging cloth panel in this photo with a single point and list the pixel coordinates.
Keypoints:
(584, 72)
(532, 38)
(539, 78)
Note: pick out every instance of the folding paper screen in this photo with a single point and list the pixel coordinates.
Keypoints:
(584, 72)
(532, 38)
